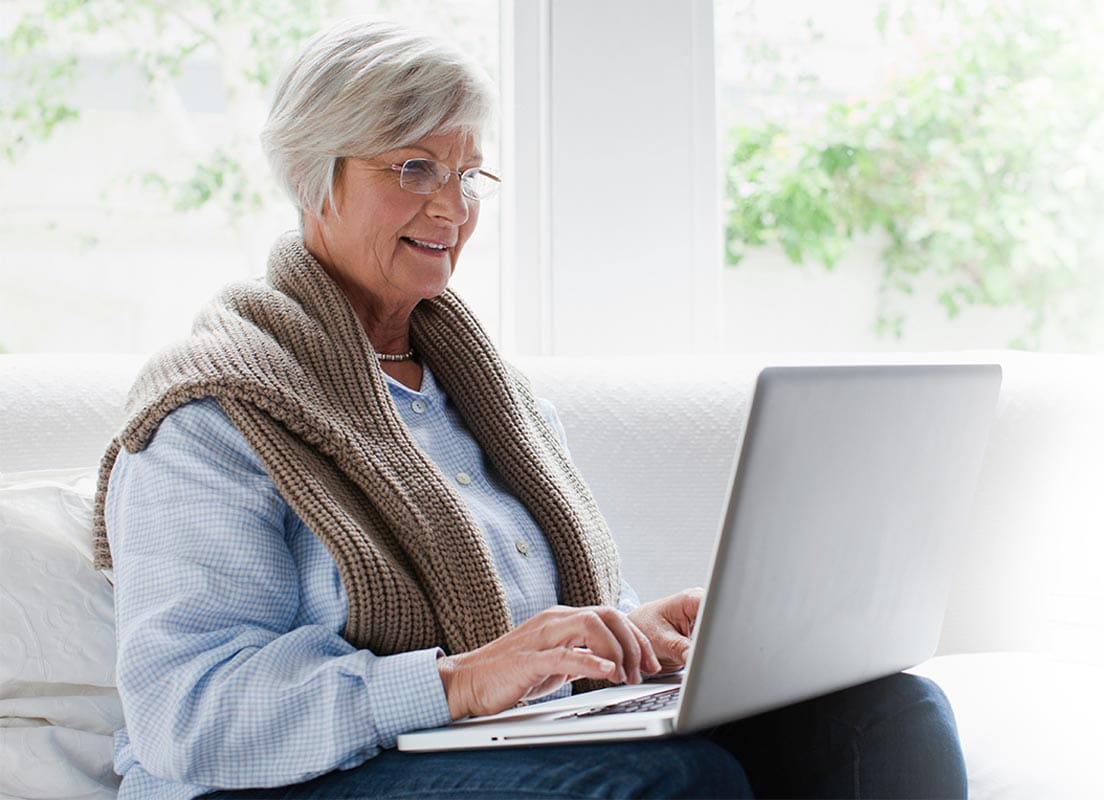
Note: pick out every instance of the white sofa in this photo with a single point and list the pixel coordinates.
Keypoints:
(1022, 650)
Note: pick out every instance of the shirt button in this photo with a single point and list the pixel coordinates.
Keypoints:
(522, 547)
(419, 406)
(463, 478)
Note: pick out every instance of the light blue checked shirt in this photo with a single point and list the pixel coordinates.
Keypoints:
(229, 611)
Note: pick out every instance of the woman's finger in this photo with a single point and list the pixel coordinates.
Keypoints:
(625, 633)
(649, 658)
(633, 650)
(572, 663)
(589, 628)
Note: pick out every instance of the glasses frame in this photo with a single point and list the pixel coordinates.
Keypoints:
(401, 169)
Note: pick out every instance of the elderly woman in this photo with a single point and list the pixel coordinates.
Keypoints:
(336, 515)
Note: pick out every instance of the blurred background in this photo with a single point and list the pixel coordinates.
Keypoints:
(889, 175)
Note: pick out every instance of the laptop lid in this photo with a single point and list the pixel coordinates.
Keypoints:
(852, 489)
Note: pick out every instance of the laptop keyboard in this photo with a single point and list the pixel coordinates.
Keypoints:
(650, 702)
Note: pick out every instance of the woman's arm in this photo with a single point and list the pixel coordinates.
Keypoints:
(231, 666)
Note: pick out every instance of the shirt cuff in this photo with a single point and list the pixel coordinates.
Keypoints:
(407, 694)
(629, 600)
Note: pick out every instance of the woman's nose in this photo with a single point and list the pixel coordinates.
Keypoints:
(450, 203)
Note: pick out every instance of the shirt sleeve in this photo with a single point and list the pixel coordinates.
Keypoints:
(628, 599)
(223, 683)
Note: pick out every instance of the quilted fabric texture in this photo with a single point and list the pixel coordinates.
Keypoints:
(60, 411)
(58, 704)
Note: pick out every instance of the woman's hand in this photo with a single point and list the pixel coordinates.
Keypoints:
(556, 646)
(668, 623)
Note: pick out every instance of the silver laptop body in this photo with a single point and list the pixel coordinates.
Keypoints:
(851, 490)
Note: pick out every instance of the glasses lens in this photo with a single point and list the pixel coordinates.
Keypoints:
(422, 176)
(479, 184)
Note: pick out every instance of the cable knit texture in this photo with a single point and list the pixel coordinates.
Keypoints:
(289, 363)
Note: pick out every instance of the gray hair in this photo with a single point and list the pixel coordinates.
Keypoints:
(361, 88)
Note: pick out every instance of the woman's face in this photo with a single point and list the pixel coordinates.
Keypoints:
(390, 246)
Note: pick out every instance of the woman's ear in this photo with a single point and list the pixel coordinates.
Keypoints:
(309, 219)
(314, 224)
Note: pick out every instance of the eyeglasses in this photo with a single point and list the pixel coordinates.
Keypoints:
(425, 176)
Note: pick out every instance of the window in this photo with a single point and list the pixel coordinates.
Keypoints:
(132, 183)
(943, 159)
(119, 225)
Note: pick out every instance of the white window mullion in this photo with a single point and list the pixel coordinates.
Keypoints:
(612, 239)
(526, 270)
(704, 163)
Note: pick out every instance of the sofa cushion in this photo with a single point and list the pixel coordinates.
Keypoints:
(58, 704)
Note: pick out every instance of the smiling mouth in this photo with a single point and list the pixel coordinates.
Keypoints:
(434, 246)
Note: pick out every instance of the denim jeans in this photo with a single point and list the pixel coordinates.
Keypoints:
(894, 737)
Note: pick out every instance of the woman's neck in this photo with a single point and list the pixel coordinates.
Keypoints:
(408, 373)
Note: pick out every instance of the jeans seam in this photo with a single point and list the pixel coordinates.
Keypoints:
(856, 766)
(858, 733)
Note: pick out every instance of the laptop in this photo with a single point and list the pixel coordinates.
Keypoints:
(851, 489)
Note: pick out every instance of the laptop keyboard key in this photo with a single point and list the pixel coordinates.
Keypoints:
(659, 701)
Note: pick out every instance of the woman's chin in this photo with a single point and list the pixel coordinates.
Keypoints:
(432, 279)
(426, 290)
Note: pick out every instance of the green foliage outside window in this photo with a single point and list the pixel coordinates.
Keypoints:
(982, 170)
(132, 170)
(247, 40)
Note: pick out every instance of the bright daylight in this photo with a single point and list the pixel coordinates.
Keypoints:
(551, 399)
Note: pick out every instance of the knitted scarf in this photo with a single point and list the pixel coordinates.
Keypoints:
(289, 364)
